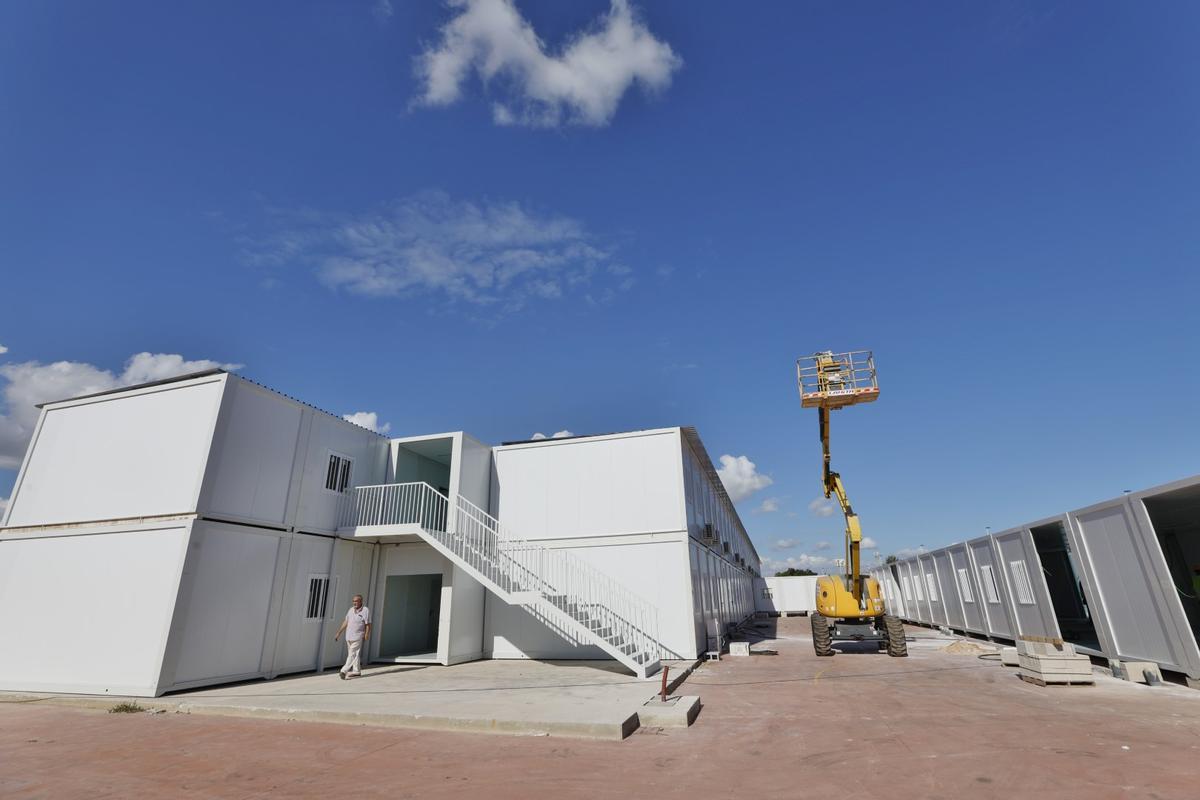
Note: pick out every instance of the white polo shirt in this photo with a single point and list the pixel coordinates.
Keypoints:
(356, 623)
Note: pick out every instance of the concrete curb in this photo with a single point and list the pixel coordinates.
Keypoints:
(619, 726)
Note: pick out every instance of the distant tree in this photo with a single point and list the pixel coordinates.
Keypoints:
(891, 560)
(792, 572)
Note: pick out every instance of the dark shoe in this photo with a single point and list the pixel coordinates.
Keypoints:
(341, 675)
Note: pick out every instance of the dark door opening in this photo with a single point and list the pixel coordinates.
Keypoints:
(1066, 592)
(412, 607)
(1176, 520)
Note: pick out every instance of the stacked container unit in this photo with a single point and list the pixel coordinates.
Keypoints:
(1119, 579)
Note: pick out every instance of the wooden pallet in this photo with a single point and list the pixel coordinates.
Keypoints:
(1057, 681)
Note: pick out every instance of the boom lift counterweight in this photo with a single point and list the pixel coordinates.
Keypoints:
(849, 606)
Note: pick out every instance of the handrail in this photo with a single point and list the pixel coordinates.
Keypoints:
(592, 598)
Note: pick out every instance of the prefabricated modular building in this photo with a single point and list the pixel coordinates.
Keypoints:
(206, 529)
(1119, 579)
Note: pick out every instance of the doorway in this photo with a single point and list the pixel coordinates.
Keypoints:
(1066, 592)
(412, 606)
(1175, 517)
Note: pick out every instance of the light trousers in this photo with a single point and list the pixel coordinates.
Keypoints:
(353, 663)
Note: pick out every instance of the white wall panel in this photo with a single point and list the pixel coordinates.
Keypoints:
(792, 595)
(318, 506)
(253, 454)
(658, 572)
(601, 486)
(224, 598)
(88, 613)
(119, 456)
(299, 636)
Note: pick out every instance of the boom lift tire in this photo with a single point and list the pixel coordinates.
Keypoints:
(822, 639)
(897, 645)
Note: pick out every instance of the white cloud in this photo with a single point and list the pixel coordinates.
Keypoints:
(368, 420)
(29, 383)
(822, 545)
(767, 506)
(382, 9)
(818, 564)
(786, 544)
(741, 477)
(537, 437)
(868, 543)
(3, 349)
(492, 254)
(822, 507)
(581, 85)
(909, 552)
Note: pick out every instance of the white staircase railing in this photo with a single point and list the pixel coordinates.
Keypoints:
(579, 595)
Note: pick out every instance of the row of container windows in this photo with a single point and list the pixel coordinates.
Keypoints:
(722, 591)
(1022, 587)
(704, 507)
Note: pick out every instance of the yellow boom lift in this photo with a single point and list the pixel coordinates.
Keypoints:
(849, 606)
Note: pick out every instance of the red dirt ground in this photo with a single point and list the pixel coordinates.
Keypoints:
(790, 725)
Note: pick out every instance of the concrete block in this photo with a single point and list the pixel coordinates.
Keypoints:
(1041, 648)
(1135, 671)
(677, 712)
(1008, 656)
(739, 648)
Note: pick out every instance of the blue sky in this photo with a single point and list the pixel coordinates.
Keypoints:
(592, 217)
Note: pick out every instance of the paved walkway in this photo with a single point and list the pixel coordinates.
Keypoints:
(935, 725)
(594, 699)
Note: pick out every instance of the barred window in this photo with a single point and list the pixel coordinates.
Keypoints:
(337, 475)
(987, 579)
(964, 586)
(318, 597)
(1021, 585)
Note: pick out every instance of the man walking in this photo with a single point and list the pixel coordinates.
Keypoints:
(357, 627)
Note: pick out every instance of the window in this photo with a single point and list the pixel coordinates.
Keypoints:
(905, 588)
(318, 597)
(917, 588)
(337, 476)
(964, 587)
(1021, 585)
(987, 579)
(932, 584)
(767, 594)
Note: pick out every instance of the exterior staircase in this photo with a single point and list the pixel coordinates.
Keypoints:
(566, 591)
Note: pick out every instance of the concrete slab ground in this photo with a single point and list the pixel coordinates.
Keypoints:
(934, 725)
(591, 699)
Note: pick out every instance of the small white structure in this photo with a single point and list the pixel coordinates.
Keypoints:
(206, 529)
(793, 594)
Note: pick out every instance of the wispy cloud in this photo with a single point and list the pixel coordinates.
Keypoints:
(741, 477)
(382, 9)
(868, 543)
(490, 254)
(537, 437)
(767, 506)
(822, 507)
(786, 544)
(368, 420)
(581, 85)
(802, 561)
(820, 546)
(3, 349)
(28, 383)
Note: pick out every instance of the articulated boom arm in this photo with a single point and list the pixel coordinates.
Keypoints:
(833, 486)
